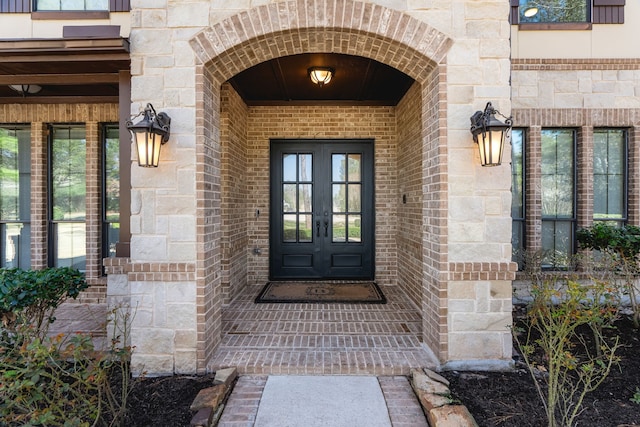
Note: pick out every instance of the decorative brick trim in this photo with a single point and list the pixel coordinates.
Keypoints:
(568, 64)
(161, 272)
(468, 271)
(576, 117)
(116, 265)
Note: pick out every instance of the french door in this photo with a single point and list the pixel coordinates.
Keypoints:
(322, 219)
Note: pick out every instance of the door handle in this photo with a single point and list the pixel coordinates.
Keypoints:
(326, 228)
(318, 228)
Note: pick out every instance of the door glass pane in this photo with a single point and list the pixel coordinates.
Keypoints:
(354, 167)
(289, 228)
(338, 167)
(354, 228)
(289, 171)
(306, 172)
(355, 198)
(306, 228)
(289, 198)
(338, 196)
(305, 195)
(339, 228)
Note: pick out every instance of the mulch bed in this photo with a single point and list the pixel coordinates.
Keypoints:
(510, 398)
(494, 398)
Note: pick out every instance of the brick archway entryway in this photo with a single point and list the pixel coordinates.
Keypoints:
(349, 27)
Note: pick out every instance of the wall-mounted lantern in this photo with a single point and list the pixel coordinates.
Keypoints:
(321, 75)
(149, 134)
(490, 133)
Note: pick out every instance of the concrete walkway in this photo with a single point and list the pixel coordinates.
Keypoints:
(334, 401)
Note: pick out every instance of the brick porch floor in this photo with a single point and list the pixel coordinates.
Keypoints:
(321, 339)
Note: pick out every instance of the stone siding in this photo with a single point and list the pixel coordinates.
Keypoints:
(182, 53)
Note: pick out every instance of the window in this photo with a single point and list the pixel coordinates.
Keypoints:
(558, 195)
(71, 5)
(15, 197)
(517, 194)
(111, 190)
(554, 11)
(609, 175)
(67, 197)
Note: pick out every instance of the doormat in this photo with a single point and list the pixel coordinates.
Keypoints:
(320, 292)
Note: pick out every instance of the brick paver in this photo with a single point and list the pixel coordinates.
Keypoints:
(314, 339)
(242, 406)
(404, 408)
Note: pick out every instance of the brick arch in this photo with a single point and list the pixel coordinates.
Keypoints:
(339, 26)
(350, 27)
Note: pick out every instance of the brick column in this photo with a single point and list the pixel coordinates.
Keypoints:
(633, 208)
(533, 190)
(39, 196)
(93, 201)
(584, 159)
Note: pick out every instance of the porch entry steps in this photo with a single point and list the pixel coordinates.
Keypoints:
(321, 338)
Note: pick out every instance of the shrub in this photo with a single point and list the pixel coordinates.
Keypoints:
(31, 296)
(562, 363)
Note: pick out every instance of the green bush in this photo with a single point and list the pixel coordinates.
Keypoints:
(31, 296)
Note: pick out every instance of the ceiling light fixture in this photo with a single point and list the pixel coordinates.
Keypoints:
(25, 90)
(321, 75)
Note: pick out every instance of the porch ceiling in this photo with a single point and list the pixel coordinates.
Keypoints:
(356, 81)
(68, 70)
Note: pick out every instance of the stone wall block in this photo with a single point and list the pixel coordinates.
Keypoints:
(190, 14)
(153, 340)
(476, 346)
(480, 321)
(185, 362)
(149, 247)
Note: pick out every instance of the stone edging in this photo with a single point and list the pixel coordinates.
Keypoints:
(210, 402)
(432, 391)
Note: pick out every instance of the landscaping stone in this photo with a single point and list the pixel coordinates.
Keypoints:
(451, 416)
(225, 376)
(434, 395)
(430, 401)
(202, 418)
(421, 381)
(209, 397)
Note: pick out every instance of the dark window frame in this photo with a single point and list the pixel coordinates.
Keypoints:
(517, 257)
(573, 220)
(28, 6)
(600, 12)
(625, 178)
(51, 223)
(105, 222)
(5, 222)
